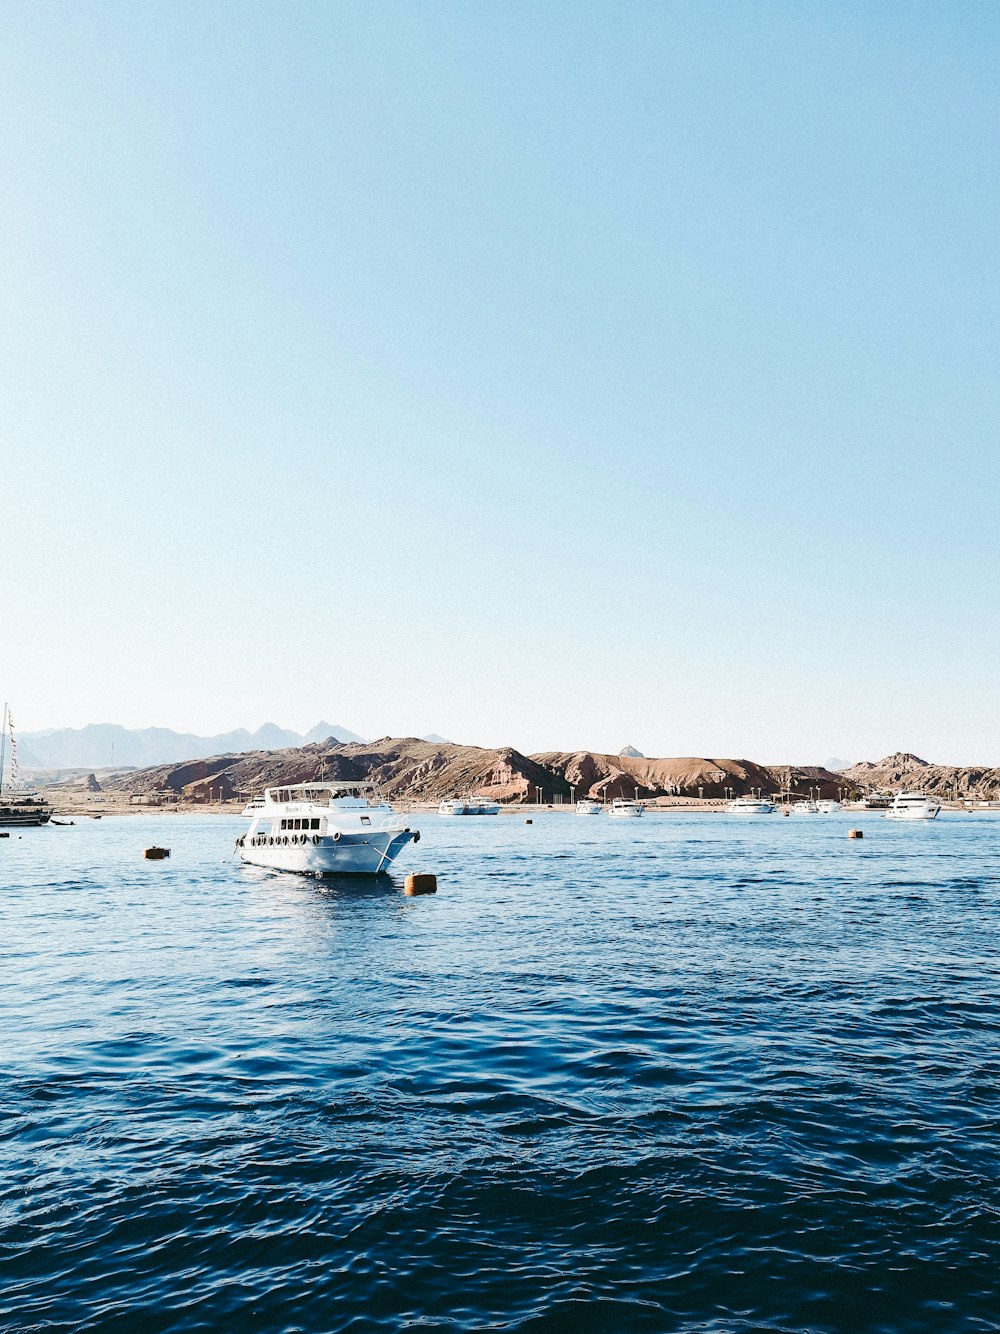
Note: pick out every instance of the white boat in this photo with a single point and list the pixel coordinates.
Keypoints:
(750, 806)
(805, 808)
(623, 809)
(19, 806)
(325, 828)
(827, 807)
(254, 805)
(913, 806)
(588, 807)
(469, 806)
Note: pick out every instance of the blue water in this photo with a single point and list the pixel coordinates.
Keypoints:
(686, 1073)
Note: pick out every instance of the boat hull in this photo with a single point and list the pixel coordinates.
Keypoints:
(931, 814)
(23, 819)
(451, 810)
(350, 854)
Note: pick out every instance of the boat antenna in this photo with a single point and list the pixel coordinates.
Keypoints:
(3, 742)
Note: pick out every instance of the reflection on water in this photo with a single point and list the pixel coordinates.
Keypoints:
(673, 1074)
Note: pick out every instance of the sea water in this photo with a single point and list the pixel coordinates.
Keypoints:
(689, 1073)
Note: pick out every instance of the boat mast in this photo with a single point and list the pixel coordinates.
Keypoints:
(3, 743)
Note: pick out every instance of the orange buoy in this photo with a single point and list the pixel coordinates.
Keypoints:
(155, 854)
(856, 833)
(420, 884)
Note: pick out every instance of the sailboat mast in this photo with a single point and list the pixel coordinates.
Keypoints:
(3, 743)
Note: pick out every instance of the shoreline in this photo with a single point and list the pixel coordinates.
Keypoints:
(671, 806)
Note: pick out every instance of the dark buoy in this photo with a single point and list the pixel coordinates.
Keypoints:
(856, 833)
(529, 822)
(155, 854)
(420, 884)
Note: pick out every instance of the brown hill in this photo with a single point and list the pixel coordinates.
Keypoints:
(606, 776)
(414, 770)
(405, 768)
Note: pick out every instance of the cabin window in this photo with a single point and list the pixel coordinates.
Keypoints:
(365, 819)
(284, 824)
(296, 824)
(315, 823)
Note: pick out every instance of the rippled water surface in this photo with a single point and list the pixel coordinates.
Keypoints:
(686, 1073)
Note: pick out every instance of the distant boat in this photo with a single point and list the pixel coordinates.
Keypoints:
(589, 807)
(623, 809)
(19, 807)
(913, 806)
(805, 808)
(325, 828)
(750, 806)
(827, 807)
(468, 806)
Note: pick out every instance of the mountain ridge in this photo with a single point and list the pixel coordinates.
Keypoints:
(411, 769)
(104, 745)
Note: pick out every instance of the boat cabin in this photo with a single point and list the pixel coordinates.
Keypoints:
(323, 794)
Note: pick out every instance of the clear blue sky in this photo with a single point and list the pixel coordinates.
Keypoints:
(554, 374)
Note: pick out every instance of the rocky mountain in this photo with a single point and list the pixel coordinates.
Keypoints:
(105, 745)
(410, 769)
(608, 776)
(903, 771)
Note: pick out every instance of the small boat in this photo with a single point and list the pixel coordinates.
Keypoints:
(750, 806)
(19, 807)
(877, 801)
(623, 809)
(805, 808)
(913, 806)
(253, 806)
(326, 828)
(588, 807)
(469, 806)
(827, 807)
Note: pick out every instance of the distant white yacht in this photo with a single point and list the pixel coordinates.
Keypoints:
(913, 806)
(827, 807)
(325, 828)
(750, 806)
(468, 806)
(588, 807)
(623, 809)
(805, 808)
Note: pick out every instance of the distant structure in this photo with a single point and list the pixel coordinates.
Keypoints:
(630, 753)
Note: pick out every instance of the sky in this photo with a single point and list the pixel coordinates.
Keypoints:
(556, 375)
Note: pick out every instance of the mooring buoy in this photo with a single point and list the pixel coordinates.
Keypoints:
(420, 884)
(856, 833)
(155, 854)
